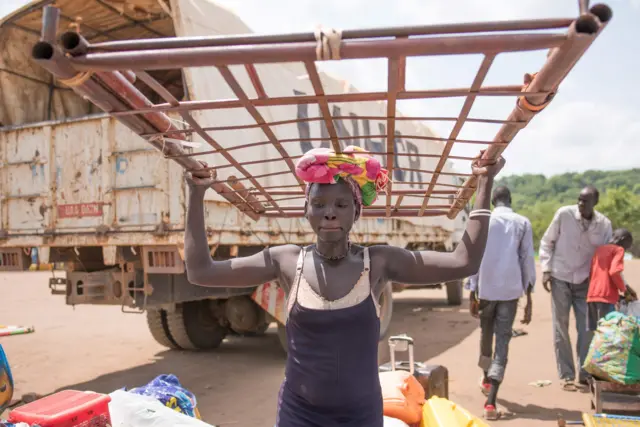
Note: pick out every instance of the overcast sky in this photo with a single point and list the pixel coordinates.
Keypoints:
(593, 123)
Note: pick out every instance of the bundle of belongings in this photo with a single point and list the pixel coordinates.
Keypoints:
(164, 402)
(416, 395)
(614, 354)
(6, 381)
(168, 390)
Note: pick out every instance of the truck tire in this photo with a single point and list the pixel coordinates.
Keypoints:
(386, 313)
(157, 322)
(193, 326)
(454, 292)
(261, 330)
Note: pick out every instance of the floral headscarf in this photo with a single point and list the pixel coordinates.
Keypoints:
(354, 165)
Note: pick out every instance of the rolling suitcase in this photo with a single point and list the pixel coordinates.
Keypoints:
(433, 378)
(402, 394)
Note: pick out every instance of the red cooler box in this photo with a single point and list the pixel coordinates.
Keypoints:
(68, 408)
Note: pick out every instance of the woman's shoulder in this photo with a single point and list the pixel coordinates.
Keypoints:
(381, 251)
(284, 251)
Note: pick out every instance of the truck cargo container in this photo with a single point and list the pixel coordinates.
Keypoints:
(88, 192)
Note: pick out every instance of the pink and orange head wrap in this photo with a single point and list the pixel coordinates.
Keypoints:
(325, 166)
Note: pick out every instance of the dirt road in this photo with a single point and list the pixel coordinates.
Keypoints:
(102, 349)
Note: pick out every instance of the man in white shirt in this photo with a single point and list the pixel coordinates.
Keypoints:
(566, 250)
(507, 272)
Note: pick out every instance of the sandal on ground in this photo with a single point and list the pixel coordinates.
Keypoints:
(584, 382)
(569, 385)
(518, 333)
(491, 413)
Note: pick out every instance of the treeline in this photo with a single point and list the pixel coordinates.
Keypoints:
(538, 197)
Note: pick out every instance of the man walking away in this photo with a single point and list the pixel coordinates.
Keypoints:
(566, 250)
(506, 273)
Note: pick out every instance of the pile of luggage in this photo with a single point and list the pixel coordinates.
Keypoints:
(416, 394)
(164, 402)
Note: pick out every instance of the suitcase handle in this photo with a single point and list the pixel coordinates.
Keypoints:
(415, 364)
(402, 343)
(405, 338)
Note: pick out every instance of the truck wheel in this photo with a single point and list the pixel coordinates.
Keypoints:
(454, 292)
(260, 330)
(244, 316)
(157, 322)
(282, 337)
(193, 326)
(386, 309)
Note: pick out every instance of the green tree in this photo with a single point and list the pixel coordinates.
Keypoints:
(622, 207)
(540, 214)
(538, 197)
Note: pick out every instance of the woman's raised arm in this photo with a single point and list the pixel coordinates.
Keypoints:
(426, 267)
(237, 272)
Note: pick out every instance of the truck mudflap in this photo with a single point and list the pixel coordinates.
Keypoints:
(273, 300)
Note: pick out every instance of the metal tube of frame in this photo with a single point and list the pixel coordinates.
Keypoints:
(255, 39)
(305, 52)
(50, 20)
(368, 213)
(100, 73)
(559, 62)
(75, 44)
(512, 90)
(54, 61)
(164, 93)
(245, 194)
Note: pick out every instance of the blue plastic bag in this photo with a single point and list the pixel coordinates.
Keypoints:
(6, 381)
(168, 390)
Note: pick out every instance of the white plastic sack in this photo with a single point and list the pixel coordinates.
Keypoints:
(393, 422)
(133, 410)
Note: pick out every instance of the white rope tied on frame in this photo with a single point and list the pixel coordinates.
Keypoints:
(328, 43)
(180, 142)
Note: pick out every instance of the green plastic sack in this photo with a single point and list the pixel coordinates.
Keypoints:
(614, 353)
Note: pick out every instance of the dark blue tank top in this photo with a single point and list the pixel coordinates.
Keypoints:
(331, 376)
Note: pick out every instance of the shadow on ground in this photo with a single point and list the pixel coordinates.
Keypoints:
(247, 372)
(535, 412)
(434, 326)
(242, 373)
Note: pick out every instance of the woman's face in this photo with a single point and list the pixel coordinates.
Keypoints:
(331, 210)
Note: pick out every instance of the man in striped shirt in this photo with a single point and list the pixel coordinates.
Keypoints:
(566, 250)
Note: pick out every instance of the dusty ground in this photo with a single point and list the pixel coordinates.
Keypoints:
(102, 349)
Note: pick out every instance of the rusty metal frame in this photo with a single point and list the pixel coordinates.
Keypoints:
(104, 73)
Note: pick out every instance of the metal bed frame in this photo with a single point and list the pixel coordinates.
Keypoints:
(104, 74)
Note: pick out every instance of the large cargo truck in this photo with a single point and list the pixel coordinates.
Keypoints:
(86, 191)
